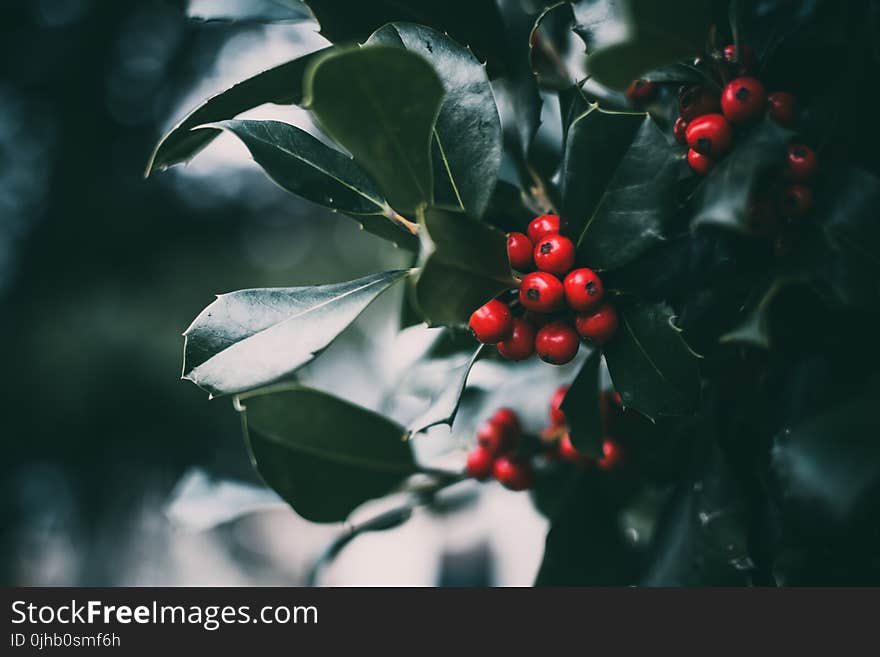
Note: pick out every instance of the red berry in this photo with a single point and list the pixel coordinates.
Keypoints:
(479, 463)
(557, 417)
(569, 453)
(699, 162)
(491, 322)
(679, 129)
(611, 455)
(782, 107)
(513, 474)
(802, 162)
(742, 62)
(640, 91)
(554, 253)
(697, 101)
(519, 251)
(709, 135)
(507, 419)
(492, 437)
(543, 225)
(599, 326)
(521, 343)
(796, 201)
(583, 290)
(556, 343)
(541, 292)
(743, 99)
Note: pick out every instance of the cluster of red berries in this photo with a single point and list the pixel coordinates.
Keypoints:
(501, 451)
(555, 305)
(706, 125)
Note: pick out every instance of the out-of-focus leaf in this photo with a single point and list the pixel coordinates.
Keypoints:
(467, 135)
(556, 54)
(464, 266)
(632, 215)
(281, 85)
(323, 455)
(448, 387)
(251, 338)
(381, 103)
(650, 365)
(249, 11)
(581, 408)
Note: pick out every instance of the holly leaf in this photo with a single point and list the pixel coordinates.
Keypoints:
(322, 455)
(581, 408)
(828, 466)
(397, 95)
(447, 384)
(651, 366)
(281, 85)
(307, 167)
(249, 11)
(464, 265)
(595, 144)
(625, 38)
(556, 54)
(724, 197)
(638, 203)
(467, 143)
(251, 338)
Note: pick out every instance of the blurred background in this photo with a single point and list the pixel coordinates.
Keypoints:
(114, 471)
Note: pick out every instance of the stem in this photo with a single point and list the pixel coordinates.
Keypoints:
(403, 222)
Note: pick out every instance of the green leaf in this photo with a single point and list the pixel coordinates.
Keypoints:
(829, 464)
(595, 144)
(633, 213)
(650, 365)
(724, 197)
(281, 85)
(380, 103)
(626, 38)
(464, 265)
(474, 23)
(251, 338)
(557, 56)
(250, 11)
(467, 136)
(448, 384)
(309, 168)
(581, 408)
(322, 455)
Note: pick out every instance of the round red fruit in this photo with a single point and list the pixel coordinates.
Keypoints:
(479, 464)
(493, 438)
(556, 343)
(521, 343)
(781, 105)
(709, 135)
(599, 326)
(679, 130)
(557, 417)
(801, 162)
(611, 455)
(519, 251)
(513, 474)
(554, 253)
(541, 292)
(697, 101)
(543, 225)
(491, 322)
(796, 201)
(583, 290)
(507, 419)
(640, 91)
(569, 453)
(743, 99)
(699, 162)
(742, 60)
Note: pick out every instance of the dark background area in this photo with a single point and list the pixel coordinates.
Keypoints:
(102, 270)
